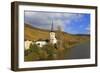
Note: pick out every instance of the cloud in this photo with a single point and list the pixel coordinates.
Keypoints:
(88, 29)
(44, 20)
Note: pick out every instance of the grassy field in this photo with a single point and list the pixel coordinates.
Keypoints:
(69, 41)
(32, 33)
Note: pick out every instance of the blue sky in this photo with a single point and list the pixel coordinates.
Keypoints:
(73, 23)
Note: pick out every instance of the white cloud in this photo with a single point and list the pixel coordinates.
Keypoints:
(29, 13)
(44, 19)
(88, 27)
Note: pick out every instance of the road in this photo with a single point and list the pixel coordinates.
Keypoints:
(79, 52)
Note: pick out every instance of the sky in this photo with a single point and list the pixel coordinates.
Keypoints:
(73, 23)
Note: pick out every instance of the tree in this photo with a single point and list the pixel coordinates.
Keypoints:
(59, 36)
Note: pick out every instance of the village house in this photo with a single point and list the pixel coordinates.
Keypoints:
(27, 44)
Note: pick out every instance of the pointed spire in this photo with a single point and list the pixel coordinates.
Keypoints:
(52, 26)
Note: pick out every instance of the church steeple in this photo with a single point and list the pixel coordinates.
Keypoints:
(53, 39)
(52, 29)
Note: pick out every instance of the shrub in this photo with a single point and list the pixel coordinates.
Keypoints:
(51, 51)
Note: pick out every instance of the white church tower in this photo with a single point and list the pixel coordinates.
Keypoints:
(53, 39)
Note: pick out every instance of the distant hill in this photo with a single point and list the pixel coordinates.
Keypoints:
(82, 34)
(32, 33)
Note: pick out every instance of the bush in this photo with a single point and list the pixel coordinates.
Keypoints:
(32, 57)
(43, 54)
(34, 48)
(51, 51)
(47, 52)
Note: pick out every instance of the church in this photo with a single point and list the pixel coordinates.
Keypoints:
(52, 38)
(41, 43)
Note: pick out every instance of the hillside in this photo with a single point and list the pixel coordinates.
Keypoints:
(32, 33)
(48, 51)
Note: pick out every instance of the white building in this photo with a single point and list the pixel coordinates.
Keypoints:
(27, 44)
(53, 39)
(41, 43)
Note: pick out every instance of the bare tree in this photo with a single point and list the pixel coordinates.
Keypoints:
(59, 36)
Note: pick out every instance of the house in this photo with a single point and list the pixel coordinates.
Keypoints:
(27, 44)
(41, 43)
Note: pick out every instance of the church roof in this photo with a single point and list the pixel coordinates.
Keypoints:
(52, 27)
